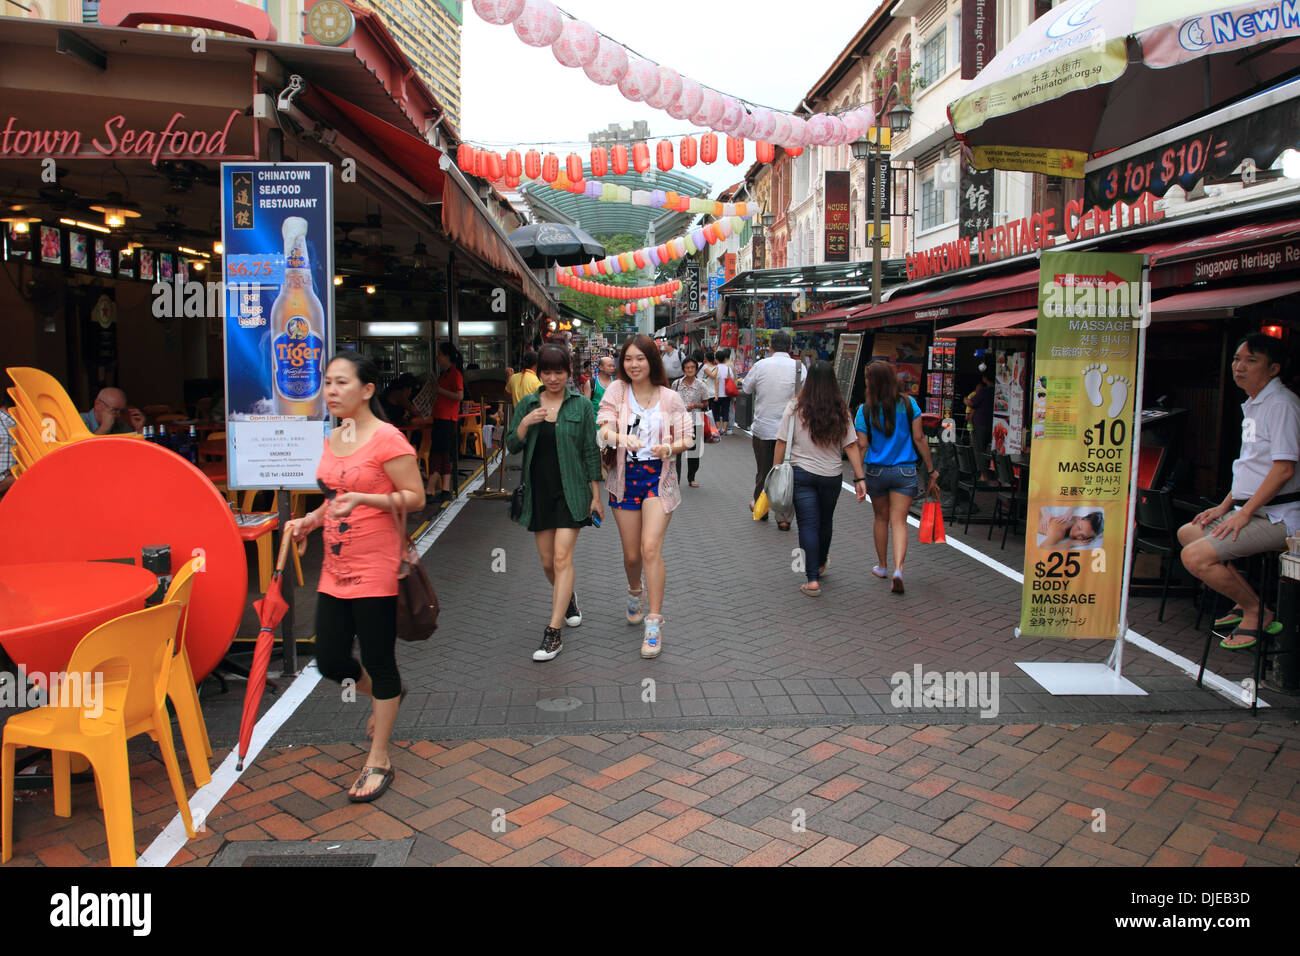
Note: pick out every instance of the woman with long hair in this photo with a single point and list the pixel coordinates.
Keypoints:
(823, 431)
(889, 433)
(449, 389)
(556, 429)
(367, 469)
(695, 395)
(722, 407)
(647, 424)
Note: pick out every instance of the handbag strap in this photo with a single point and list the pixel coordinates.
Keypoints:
(398, 510)
(789, 432)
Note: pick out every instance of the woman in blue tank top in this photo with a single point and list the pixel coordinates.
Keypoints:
(889, 434)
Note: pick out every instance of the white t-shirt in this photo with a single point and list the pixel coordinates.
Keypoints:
(724, 373)
(1270, 432)
(649, 428)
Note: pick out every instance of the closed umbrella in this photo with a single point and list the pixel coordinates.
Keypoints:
(1095, 75)
(546, 244)
(271, 609)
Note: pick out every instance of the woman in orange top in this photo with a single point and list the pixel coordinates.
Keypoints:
(366, 465)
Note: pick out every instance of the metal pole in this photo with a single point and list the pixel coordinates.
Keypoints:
(874, 186)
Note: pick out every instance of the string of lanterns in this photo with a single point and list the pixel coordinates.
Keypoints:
(689, 244)
(617, 292)
(577, 44)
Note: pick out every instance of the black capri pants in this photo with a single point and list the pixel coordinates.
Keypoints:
(372, 621)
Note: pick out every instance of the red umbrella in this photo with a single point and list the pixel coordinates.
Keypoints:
(271, 609)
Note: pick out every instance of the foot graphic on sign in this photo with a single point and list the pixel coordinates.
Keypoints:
(1092, 383)
(1119, 387)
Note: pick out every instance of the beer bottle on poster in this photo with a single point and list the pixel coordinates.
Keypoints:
(297, 327)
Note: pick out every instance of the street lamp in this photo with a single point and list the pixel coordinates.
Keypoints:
(756, 264)
(899, 118)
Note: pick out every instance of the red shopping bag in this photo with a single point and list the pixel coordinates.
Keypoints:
(932, 524)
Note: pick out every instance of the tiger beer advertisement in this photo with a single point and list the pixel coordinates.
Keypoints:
(277, 233)
(1081, 429)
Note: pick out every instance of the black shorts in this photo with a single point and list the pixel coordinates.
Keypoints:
(444, 437)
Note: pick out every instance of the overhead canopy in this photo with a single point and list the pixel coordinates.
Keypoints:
(1218, 303)
(991, 325)
(417, 160)
(844, 277)
(610, 218)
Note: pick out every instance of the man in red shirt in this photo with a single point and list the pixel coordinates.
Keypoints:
(449, 390)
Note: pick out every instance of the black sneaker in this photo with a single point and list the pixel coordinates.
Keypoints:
(573, 617)
(551, 645)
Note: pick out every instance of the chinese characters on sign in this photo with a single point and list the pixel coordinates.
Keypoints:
(975, 200)
(837, 216)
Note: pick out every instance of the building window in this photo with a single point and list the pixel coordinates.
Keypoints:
(932, 205)
(934, 57)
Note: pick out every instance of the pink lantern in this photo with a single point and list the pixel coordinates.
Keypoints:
(838, 135)
(745, 128)
(499, 12)
(610, 64)
(855, 125)
(798, 132)
(577, 43)
(781, 132)
(670, 84)
(731, 110)
(688, 100)
(540, 24)
(640, 82)
(764, 122)
(710, 110)
(819, 129)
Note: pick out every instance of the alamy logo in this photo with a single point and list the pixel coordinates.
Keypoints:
(951, 689)
(77, 909)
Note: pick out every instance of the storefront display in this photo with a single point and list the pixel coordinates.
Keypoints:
(906, 352)
(1009, 402)
(940, 382)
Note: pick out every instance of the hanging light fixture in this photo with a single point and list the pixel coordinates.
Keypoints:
(420, 254)
(20, 225)
(116, 210)
(218, 248)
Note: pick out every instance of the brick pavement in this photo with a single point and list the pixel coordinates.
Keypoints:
(1033, 794)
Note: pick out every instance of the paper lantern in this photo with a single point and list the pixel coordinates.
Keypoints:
(512, 182)
(540, 24)
(837, 134)
(688, 100)
(465, 158)
(731, 112)
(641, 157)
(533, 164)
(764, 152)
(798, 132)
(599, 161)
(480, 163)
(610, 64)
(577, 43)
(640, 82)
(745, 128)
(794, 152)
(725, 228)
(499, 12)
(618, 160)
(664, 154)
(855, 125)
(670, 84)
(819, 129)
(573, 167)
(494, 167)
(708, 148)
(562, 180)
(781, 131)
(639, 258)
(764, 122)
(710, 111)
(653, 255)
(687, 151)
(550, 168)
(514, 165)
(735, 150)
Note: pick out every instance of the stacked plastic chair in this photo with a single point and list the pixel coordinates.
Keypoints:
(45, 418)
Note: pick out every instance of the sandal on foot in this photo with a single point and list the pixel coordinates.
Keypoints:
(810, 590)
(880, 571)
(385, 773)
(783, 525)
(1235, 616)
(1271, 630)
(635, 606)
(897, 586)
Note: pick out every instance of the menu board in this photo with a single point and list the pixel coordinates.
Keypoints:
(846, 362)
(940, 382)
(1009, 403)
(905, 351)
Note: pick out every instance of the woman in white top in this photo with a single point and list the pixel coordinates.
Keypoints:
(723, 410)
(695, 395)
(823, 428)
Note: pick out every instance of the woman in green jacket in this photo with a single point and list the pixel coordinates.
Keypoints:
(556, 429)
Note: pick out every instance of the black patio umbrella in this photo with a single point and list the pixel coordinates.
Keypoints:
(546, 244)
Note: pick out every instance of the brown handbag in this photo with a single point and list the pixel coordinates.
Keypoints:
(417, 604)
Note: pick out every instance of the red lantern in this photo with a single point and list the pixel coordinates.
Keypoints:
(664, 154)
(794, 151)
(764, 152)
(641, 157)
(465, 158)
(687, 151)
(550, 168)
(480, 163)
(639, 258)
(533, 164)
(573, 166)
(618, 160)
(735, 150)
(493, 166)
(514, 166)
(599, 166)
(512, 182)
(708, 148)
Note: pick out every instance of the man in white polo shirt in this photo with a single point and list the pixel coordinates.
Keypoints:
(1264, 503)
(772, 383)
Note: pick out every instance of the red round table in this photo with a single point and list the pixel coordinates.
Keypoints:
(46, 609)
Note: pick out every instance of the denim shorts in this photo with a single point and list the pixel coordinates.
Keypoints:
(882, 479)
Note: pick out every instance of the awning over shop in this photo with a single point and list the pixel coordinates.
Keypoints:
(993, 325)
(1218, 303)
(412, 155)
(1005, 292)
(831, 319)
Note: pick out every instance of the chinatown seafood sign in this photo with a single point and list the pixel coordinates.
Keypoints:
(1031, 234)
(117, 140)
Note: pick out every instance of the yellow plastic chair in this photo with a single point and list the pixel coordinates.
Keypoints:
(48, 397)
(260, 535)
(134, 654)
(25, 437)
(182, 689)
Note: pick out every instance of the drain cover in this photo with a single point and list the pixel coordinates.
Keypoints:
(559, 704)
(316, 853)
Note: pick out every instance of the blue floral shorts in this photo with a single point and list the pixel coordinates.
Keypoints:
(640, 481)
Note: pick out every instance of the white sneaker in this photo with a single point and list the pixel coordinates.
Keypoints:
(652, 643)
(573, 617)
(552, 644)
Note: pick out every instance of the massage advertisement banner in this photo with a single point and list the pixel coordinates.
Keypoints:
(277, 230)
(1083, 396)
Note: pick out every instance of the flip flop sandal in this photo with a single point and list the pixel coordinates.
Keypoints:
(387, 773)
(880, 571)
(1232, 617)
(811, 591)
(1272, 629)
(783, 525)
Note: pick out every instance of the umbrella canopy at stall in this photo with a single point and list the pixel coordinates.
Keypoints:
(271, 609)
(546, 244)
(1095, 75)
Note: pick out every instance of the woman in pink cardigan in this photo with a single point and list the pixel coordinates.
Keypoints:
(646, 424)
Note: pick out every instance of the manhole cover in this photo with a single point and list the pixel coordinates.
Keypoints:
(317, 853)
(559, 704)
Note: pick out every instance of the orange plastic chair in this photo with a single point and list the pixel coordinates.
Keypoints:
(46, 396)
(472, 429)
(134, 654)
(182, 689)
(259, 532)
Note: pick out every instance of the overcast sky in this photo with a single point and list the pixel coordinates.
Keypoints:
(764, 51)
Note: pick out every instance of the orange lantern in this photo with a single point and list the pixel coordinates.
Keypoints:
(735, 150)
(550, 168)
(641, 157)
(599, 166)
(687, 151)
(618, 160)
(794, 151)
(664, 153)
(764, 152)
(573, 166)
(708, 148)
(533, 164)
(493, 166)
(465, 158)
(514, 166)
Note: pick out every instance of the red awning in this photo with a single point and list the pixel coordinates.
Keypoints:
(1213, 241)
(416, 159)
(820, 321)
(992, 324)
(1218, 303)
(1005, 292)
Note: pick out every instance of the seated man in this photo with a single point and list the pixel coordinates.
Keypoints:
(1265, 498)
(105, 416)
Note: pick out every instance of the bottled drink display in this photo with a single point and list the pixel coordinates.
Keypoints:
(297, 323)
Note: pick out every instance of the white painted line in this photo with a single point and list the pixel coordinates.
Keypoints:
(457, 504)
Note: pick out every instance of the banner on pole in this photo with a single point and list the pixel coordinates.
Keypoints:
(1082, 426)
